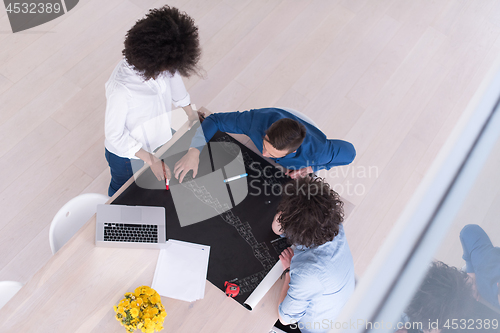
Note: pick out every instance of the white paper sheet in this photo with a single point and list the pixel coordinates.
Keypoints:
(181, 271)
(264, 286)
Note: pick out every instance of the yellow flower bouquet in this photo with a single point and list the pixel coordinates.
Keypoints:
(142, 310)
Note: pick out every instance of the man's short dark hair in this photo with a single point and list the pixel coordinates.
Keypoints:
(286, 134)
(445, 294)
(311, 212)
(165, 40)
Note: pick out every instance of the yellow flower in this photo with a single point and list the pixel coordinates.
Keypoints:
(155, 298)
(142, 290)
(149, 291)
(152, 311)
(134, 312)
(124, 302)
(142, 310)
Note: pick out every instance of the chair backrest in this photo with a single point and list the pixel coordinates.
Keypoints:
(72, 216)
(301, 116)
(7, 290)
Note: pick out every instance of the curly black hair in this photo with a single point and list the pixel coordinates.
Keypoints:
(165, 40)
(311, 212)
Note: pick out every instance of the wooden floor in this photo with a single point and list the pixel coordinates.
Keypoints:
(390, 76)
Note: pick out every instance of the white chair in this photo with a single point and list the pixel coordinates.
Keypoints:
(72, 216)
(7, 290)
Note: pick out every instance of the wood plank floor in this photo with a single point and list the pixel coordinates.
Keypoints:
(390, 76)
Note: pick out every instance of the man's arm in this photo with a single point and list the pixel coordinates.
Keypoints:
(340, 153)
(229, 122)
(294, 174)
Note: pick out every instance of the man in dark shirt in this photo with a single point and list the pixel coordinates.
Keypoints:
(280, 135)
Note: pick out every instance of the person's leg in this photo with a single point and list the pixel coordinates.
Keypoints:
(484, 259)
(121, 171)
(474, 240)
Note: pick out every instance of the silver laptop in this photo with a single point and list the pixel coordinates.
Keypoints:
(130, 226)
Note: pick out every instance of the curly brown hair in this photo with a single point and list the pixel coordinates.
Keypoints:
(445, 294)
(311, 212)
(165, 40)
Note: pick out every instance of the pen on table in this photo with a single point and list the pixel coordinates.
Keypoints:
(166, 179)
(235, 177)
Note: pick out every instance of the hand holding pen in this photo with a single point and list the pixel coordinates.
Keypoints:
(167, 175)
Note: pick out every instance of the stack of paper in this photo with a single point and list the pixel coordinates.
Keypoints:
(181, 271)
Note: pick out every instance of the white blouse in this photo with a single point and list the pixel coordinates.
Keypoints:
(138, 112)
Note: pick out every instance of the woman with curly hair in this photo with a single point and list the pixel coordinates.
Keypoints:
(142, 88)
(446, 301)
(319, 273)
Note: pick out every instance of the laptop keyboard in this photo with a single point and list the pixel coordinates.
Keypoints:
(134, 233)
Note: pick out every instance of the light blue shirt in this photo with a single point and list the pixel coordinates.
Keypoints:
(321, 282)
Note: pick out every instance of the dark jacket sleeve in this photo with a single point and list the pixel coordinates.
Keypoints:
(337, 153)
(229, 122)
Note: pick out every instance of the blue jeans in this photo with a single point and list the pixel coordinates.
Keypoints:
(121, 170)
(483, 259)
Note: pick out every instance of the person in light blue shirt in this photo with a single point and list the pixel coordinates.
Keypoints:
(319, 273)
(280, 135)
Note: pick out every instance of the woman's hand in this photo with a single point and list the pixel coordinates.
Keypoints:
(160, 169)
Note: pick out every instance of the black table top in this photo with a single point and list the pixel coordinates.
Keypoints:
(243, 247)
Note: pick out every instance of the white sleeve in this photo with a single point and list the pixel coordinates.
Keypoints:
(115, 130)
(180, 96)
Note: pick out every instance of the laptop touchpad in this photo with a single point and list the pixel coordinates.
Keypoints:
(131, 214)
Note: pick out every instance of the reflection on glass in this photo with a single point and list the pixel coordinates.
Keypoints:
(460, 292)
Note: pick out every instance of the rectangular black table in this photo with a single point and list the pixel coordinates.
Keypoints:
(236, 225)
